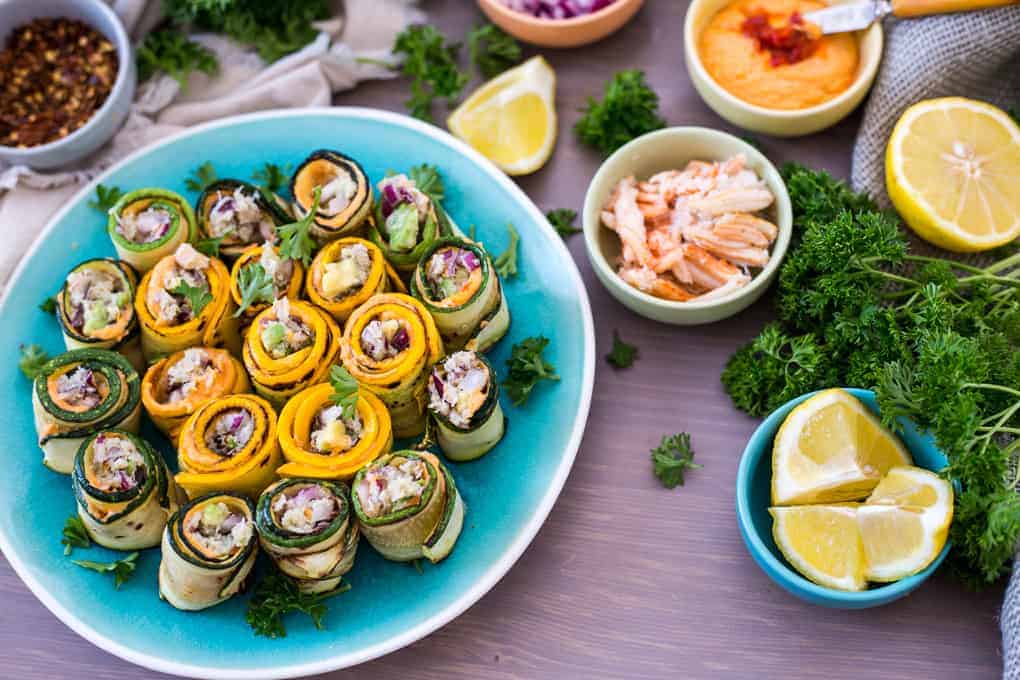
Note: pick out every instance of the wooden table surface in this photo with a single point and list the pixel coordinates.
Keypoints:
(627, 579)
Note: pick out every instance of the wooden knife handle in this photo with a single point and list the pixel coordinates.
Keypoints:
(920, 8)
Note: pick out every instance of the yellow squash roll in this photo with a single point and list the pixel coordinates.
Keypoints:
(286, 275)
(390, 345)
(318, 442)
(288, 347)
(175, 387)
(184, 301)
(348, 272)
(229, 444)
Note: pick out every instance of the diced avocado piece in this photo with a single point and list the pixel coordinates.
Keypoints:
(339, 277)
(402, 228)
(214, 513)
(273, 335)
(96, 318)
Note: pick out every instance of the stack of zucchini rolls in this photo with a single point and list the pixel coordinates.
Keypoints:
(281, 364)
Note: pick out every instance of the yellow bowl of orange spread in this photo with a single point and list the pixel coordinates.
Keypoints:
(760, 65)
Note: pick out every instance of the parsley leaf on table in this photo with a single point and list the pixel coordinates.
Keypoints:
(33, 358)
(276, 595)
(345, 390)
(296, 242)
(562, 220)
(432, 64)
(428, 180)
(622, 355)
(171, 52)
(671, 458)
(121, 569)
(526, 368)
(197, 296)
(75, 535)
(629, 109)
(492, 50)
(201, 177)
(106, 198)
(255, 285)
(506, 262)
(271, 176)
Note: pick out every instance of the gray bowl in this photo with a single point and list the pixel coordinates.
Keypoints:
(104, 122)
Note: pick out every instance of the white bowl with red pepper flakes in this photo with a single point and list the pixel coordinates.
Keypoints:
(67, 80)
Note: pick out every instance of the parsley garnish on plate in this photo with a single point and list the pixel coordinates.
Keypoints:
(197, 296)
(276, 595)
(296, 242)
(49, 305)
(622, 355)
(255, 286)
(671, 458)
(75, 535)
(629, 109)
(106, 198)
(33, 358)
(562, 220)
(171, 52)
(210, 246)
(201, 177)
(492, 50)
(121, 569)
(526, 367)
(271, 176)
(506, 262)
(432, 64)
(428, 180)
(345, 390)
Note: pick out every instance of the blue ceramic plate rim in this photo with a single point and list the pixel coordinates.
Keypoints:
(500, 566)
(775, 568)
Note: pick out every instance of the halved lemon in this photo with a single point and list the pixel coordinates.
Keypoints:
(823, 543)
(952, 167)
(511, 120)
(905, 523)
(830, 449)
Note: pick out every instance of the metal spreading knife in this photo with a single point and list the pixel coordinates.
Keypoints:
(855, 16)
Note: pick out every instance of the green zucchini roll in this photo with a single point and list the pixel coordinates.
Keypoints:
(345, 198)
(236, 212)
(458, 285)
(125, 494)
(95, 308)
(464, 399)
(406, 222)
(209, 547)
(408, 506)
(79, 393)
(148, 224)
(306, 526)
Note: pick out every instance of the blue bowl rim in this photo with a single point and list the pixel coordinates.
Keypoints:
(777, 569)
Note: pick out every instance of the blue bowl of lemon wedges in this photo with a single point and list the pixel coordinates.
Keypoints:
(839, 510)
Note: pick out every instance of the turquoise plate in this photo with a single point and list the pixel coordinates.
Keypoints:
(509, 492)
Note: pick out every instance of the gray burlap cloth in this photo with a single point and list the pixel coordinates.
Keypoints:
(974, 55)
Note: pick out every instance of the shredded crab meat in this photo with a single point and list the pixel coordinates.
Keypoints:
(311, 509)
(690, 233)
(96, 299)
(331, 431)
(194, 368)
(144, 226)
(448, 271)
(79, 388)
(190, 267)
(278, 269)
(237, 215)
(117, 464)
(385, 338)
(389, 488)
(285, 334)
(230, 432)
(337, 194)
(218, 531)
(396, 190)
(458, 387)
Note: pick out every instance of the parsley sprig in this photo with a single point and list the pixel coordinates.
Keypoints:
(506, 262)
(255, 285)
(106, 198)
(277, 595)
(169, 51)
(75, 535)
(431, 62)
(121, 569)
(296, 242)
(622, 355)
(211, 246)
(33, 358)
(201, 177)
(49, 305)
(345, 390)
(562, 220)
(428, 180)
(628, 109)
(672, 458)
(271, 176)
(526, 368)
(197, 296)
(492, 50)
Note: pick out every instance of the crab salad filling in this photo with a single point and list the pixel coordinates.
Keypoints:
(189, 268)
(95, 299)
(451, 271)
(145, 226)
(459, 387)
(285, 334)
(184, 376)
(404, 209)
(116, 463)
(383, 339)
(217, 531)
(332, 431)
(229, 432)
(348, 274)
(308, 510)
(81, 388)
(238, 215)
(386, 489)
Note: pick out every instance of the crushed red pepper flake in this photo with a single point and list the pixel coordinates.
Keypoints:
(788, 43)
(55, 73)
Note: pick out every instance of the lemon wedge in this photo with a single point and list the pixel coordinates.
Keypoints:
(952, 167)
(823, 543)
(830, 449)
(905, 523)
(511, 120)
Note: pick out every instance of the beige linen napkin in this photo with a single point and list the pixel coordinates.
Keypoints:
(358, 29)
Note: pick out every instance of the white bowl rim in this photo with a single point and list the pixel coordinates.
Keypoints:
(487, 580)
(762, 278)
(863, 80)
(124, 54)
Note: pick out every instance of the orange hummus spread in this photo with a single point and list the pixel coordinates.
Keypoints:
(816, 70)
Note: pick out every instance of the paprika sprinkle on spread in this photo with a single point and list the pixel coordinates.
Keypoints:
(786, 43)
(55, 73)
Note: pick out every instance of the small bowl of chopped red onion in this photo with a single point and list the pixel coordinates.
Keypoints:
(560, 23)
